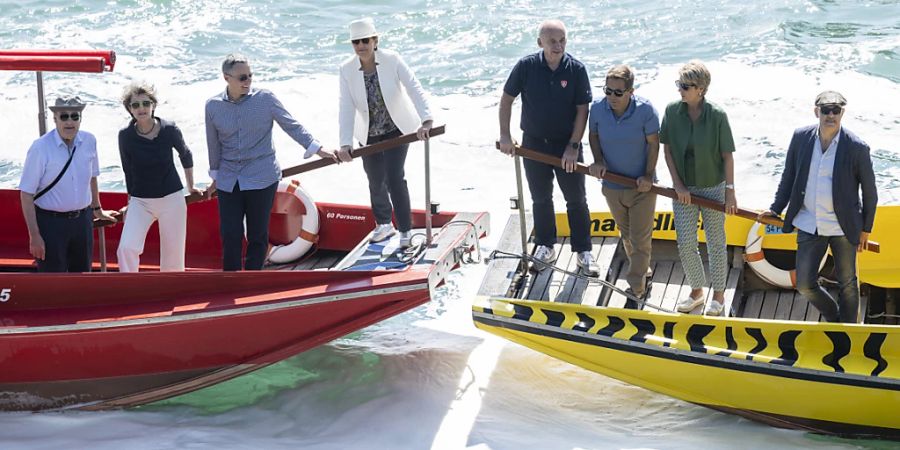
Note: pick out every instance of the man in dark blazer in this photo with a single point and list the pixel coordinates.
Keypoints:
(826, 168)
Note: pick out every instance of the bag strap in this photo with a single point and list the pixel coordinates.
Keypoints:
(58, 177)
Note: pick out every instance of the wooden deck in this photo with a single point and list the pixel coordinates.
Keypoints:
(744, 296)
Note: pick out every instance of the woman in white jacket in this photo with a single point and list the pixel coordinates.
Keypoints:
(381, 99)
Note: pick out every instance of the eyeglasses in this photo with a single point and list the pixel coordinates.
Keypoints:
(683, 86)
(363, 40)
(833, 110)
(145, 104)
(242, 78)
(64, 117)
(617, 92)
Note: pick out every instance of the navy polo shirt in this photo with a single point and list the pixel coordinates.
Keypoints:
(549, 97)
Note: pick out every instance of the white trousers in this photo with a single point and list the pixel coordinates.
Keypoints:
(171, 212)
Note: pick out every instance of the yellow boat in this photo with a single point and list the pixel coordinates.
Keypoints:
(768, 359)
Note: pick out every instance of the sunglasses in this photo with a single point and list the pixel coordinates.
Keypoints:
(242, 78)
(684, 86)
(363, 40)
(833, 110)
(145, 104)
(64, 117)
(617, 92)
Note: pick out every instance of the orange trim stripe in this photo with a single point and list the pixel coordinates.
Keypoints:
(753, 257)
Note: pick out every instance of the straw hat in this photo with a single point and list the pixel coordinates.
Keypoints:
(362, 28)
(67, 103)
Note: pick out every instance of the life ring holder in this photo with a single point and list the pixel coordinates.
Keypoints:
(309, 230)
(756, 258)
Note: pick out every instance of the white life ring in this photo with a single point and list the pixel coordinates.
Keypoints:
(309, 230)
(754, 256)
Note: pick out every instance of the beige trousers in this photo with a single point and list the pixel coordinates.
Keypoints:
(634, 212)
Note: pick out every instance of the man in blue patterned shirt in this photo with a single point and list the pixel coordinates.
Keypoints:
(242, 160)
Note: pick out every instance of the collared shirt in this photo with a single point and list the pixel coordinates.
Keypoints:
(817, 213)
(148, 164)
(239, 139)
(624, 139)
(46, 159)
(549, 97)
(697, 147)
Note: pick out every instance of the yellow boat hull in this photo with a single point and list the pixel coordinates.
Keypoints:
(841, 379)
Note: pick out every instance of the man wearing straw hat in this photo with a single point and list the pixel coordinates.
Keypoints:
(556, 93)
(59, 192)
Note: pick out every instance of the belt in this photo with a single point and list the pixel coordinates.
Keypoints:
(66, 215)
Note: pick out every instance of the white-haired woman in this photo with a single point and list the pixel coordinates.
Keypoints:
(381, 99)
(699, 146)
(154, 188)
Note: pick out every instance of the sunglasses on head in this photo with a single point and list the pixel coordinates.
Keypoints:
(145, 104)
(833, 110)
(64, 117)
(363, 40)
(684, 86)
(242, 78)
(617, 92)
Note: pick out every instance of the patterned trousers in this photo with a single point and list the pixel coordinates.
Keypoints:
(686, 217)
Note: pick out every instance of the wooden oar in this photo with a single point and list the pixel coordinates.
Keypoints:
(582, 168)
(362, 151)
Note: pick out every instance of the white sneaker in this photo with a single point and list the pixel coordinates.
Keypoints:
(688, 304)
(382, 232)
(714, 308)
(585, 262)
(405, 239)
(545, 255)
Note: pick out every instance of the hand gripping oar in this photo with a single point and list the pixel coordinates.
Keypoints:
(582, 168)
(362, 151)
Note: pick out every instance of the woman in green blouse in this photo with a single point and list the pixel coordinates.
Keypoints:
(698, 146)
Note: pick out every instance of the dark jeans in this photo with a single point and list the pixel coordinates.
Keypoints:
(810, 250)
(68, 241)
(234, 206)
(540, 184)
(387, 185)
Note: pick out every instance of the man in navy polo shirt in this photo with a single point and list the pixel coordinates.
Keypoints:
(555, 96)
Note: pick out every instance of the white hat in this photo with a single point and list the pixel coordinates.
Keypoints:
(362, 28)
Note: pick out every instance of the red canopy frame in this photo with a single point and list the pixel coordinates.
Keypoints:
(39, 61)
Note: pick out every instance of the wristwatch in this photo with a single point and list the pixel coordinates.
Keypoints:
(574, 145)
(729, 186)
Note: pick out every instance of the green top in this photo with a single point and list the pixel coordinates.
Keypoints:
(697, 147)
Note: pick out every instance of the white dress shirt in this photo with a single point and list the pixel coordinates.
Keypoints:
(817, 212)
(46, 159)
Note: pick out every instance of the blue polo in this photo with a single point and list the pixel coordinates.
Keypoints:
(549, 97)
(624, 139)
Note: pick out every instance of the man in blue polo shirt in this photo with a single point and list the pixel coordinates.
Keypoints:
(624, 137)
(555, 96)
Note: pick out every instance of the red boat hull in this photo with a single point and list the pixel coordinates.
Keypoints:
(105, 340)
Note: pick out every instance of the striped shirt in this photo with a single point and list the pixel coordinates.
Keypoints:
(239, 139)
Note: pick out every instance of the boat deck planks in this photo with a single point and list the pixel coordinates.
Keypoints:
(669, 283)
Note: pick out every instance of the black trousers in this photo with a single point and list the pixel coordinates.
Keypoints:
(388, 191)
(540, 184)
(68, 240)
(234, 206)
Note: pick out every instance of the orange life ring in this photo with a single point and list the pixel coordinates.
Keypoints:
(754, 256)
(309, 231)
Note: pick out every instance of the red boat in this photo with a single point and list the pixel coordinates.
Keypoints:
(106, 339)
